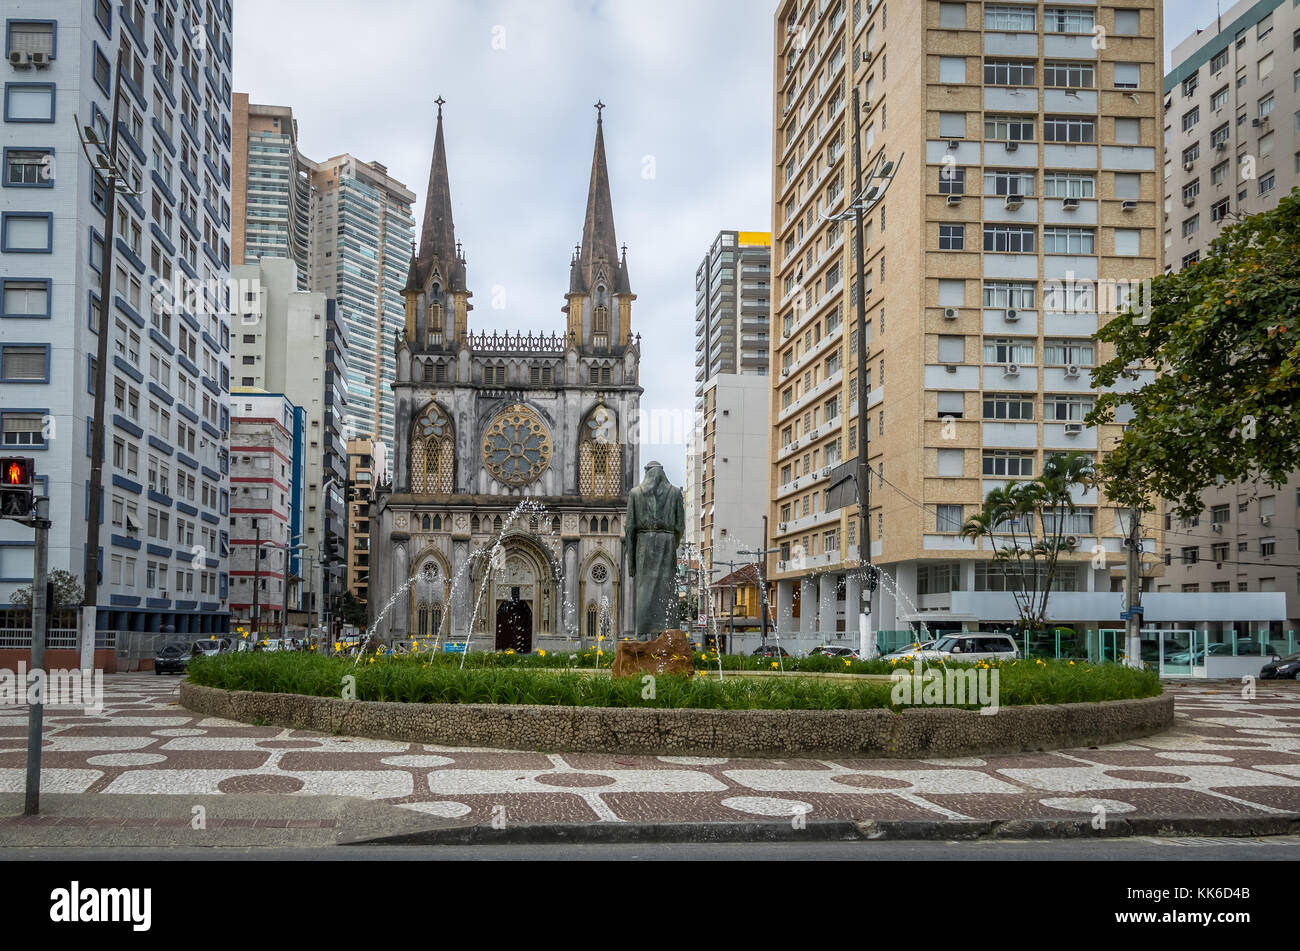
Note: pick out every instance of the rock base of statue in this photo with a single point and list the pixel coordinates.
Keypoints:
(669, 653)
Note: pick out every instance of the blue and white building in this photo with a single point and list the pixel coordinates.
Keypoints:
(163, 540)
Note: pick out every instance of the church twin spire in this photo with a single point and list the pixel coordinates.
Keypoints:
(596, 269)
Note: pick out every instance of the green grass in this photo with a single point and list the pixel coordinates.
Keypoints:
(514, 679)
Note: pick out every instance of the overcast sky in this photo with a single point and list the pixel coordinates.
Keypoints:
(687, 130)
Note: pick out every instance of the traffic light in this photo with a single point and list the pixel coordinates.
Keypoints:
(16, 491)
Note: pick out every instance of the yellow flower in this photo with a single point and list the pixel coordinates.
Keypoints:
(338, 645)
(600, 653)
(541, 653)
(1071, 663)
(415, 645)
(775, 665)
(600, 637)
(509, 652)
(846, 662)
(372, 660)
(212, 637)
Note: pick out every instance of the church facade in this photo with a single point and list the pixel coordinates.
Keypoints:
(514, 453)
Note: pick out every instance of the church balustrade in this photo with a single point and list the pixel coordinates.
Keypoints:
(518, 343)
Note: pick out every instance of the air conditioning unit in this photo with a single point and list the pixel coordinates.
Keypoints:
(795, 484)
(950, 313)
(1011, 369)
(1015, 201)
(40, 60)
(1221, 146)
(785, 371)
(866, 106)
(826, 471)
(794, 444)
(814, 476)
(1073, 429)
(1129, 206)
(954, 201)
(1071, 540)
(1012, 146)
(785, 112)
(1072, 370)
(1217, 528)
(950, 368)
(781, 528)
(1189, 202)
(953, 144)
(1255, 123)
(20, 59)
(1188, 166)
(1265, 520)
(1070, 204)
(866, 56)
(1012, 316)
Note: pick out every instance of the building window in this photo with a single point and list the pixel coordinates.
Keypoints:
(25, 298)
(29, 102)
(24, 363)
(1006, 19)
(1129, 76)
(27, 232)
(30, 36)
(1009, 239)
(952, 237)
(1219, 60)
(1008, 464)
(1001, 73)
(1069, 75)
(22, 429)
(952, 181)
(1066, 20)
(1009, 128)
(1010, 406)
(1068, 240)
(29, 168)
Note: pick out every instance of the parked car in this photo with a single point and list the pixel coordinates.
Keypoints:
(904, 653)
(1281, 668)
(977, 645)
(212, 645)
(771, 650)
(827, 650)
(171, 659)
(1186, 656)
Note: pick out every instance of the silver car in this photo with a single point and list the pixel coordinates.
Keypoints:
(976, 646)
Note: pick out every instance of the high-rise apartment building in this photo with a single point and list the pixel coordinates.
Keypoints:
(162, 542)
(293, 342)
(271, 191)
(362, 228)
(1232, 142)
(1029, 143)
(732, 303)
(347, 225)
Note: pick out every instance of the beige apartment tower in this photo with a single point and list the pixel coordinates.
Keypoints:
(1029, 142)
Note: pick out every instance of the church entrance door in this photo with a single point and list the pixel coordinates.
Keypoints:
(515, 626)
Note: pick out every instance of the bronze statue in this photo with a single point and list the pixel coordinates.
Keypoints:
(656, 518)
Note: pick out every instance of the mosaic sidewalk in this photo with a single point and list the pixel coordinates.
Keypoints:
(1225, 756)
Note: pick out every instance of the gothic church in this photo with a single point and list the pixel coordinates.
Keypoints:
(514, 452)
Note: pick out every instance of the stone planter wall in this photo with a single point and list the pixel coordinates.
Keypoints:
(915, 732)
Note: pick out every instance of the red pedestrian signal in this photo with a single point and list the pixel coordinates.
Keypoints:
(16, 496)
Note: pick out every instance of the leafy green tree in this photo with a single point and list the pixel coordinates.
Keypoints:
(1025, 526)
(1224, 335)
(354, 610)
(68, 592)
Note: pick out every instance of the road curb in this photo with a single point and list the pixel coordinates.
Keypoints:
(603, 833)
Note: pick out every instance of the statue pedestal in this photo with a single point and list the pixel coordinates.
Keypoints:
(669, 653)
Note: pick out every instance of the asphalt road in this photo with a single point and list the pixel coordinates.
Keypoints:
(1279, 848)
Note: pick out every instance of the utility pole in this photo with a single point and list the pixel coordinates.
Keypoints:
(42, 592)
(866, 640)
(761, 555)
(105, 162)
(1132, 592)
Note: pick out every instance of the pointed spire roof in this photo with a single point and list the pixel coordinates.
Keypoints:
(438, 232)
(599, 244)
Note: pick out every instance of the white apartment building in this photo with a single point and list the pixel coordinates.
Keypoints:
(165, 485)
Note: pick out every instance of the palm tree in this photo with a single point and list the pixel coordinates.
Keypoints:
(1025, 524)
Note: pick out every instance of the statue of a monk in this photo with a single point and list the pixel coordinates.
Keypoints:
(656, 518)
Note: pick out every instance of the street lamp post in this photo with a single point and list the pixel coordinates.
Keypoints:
(868, 191)
(1131, 520)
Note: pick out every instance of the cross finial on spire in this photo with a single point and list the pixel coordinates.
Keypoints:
(600, 106)
(624, 250)
(440, 101)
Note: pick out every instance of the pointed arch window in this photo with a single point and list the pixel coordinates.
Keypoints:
(600, 318)
(424, 523)
(435, 618)
(433, 452)
(422, 620)
(599, 455)
(434, 321)
(593, 619)
(428, 372)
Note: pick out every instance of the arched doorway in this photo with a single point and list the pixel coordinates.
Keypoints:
(515, 626)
